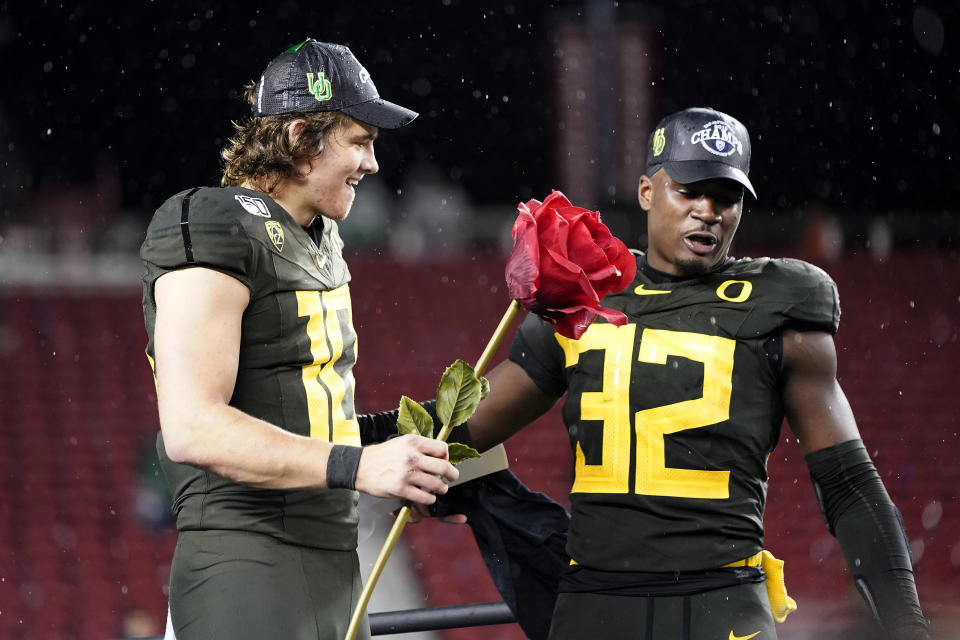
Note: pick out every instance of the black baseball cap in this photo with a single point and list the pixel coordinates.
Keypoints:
(699, 144)
(318, 76)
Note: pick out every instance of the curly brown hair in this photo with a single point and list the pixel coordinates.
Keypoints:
(261, 155)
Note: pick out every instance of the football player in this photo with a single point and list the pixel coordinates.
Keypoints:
(247, 309)
(672, 418)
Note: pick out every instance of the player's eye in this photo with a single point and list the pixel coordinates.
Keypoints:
(729, 199)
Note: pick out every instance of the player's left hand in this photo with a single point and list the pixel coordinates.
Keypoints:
(419, 511)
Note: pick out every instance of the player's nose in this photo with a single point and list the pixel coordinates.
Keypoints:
(705, 209)
(368, 164)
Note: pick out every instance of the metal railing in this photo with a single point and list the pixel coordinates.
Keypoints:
(477, 614)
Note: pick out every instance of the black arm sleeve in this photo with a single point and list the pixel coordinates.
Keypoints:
(871, 535)
(378, 427)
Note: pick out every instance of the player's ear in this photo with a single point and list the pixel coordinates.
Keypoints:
(294, 131)
(645, 192)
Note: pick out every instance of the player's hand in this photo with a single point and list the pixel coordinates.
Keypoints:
(409, 467)
(418, 512)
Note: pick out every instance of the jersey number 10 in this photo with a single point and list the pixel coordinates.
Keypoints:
(328, 392)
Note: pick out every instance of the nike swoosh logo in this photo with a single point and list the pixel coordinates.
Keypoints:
(733, 637)
(643, 291)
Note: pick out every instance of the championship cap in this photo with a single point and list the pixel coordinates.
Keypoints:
(699, 144)
(318, 76)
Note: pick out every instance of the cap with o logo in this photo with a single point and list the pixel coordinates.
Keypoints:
(319, 76)
(699, 144)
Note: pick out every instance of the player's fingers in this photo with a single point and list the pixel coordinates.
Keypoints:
(457, 518)
(427, 482)
(418, 512)
(417, 495)
(437, 467)
(432, 447)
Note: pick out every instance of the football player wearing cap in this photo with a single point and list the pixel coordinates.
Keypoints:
(672, 418)
(247, 308)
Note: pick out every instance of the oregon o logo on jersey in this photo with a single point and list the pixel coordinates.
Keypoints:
(745, 291)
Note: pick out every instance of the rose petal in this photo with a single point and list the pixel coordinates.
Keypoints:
(582, 243)
(573, 324)
(555, 200)
(523, 265)
(574, 321)
(612, 316)
(564, 284)
(552, 230)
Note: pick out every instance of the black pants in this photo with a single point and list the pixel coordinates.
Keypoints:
(741, 611)
(248, 586)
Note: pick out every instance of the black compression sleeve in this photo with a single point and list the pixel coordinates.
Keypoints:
(870, 532)
(378, 427)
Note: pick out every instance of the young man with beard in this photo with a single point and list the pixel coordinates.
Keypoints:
(672, 418)
(247, 309)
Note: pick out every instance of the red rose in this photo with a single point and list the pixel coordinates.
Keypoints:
(564, 261)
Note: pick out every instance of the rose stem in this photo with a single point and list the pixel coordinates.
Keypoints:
(394, 536)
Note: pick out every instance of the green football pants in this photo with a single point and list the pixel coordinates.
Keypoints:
(248, 586)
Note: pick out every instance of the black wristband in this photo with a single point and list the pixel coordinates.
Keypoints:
(342, 466)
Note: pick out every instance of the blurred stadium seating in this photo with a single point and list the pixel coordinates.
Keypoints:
(77, 412)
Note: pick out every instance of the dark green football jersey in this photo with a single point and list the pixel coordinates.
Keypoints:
(297, 352)
(673, 415)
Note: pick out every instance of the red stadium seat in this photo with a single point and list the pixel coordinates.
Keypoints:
(72, 427)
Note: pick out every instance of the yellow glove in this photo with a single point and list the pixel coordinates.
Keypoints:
(780, 603)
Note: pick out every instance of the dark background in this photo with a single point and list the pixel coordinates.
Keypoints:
(851, 103)
(107, 111)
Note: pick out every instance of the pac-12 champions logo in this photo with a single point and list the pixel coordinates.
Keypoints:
(717, 138)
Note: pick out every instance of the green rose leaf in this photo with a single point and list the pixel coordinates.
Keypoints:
(458, 394)
(460, 452)
(414, 419)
